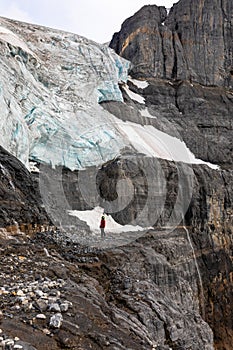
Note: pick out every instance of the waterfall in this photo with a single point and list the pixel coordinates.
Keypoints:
(7, 175)
(202, 305)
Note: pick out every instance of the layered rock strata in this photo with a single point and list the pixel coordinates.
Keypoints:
(193, 42)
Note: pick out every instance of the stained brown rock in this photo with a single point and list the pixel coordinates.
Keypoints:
(193, 42)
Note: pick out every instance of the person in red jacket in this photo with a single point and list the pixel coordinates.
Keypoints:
(102, 226)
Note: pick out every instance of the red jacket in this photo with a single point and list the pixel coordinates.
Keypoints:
(102, 223)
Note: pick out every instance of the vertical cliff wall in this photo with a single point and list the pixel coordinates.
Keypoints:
(194, 42)
(187, 56)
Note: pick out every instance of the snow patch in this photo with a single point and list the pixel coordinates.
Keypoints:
(133, 95)
(11, 38)
(7, 175)
(146, 113)
(155, 143)
(33, 168)
(92, 219)
(141, 84)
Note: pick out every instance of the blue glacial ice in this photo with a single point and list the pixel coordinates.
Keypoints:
(49, 102)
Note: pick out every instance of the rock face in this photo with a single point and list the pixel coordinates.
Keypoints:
(187, 58)
(140, 40)
(210, 216)
(20, 206)
(193, 42)
(202, 117)
(163, 160)
(135, 297)
(204, 29)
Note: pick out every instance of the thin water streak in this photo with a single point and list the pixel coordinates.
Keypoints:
(199, 274)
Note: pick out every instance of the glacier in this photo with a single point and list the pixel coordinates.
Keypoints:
(51, 88)
(50, 111)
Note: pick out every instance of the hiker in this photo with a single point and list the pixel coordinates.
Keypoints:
(102, 226)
